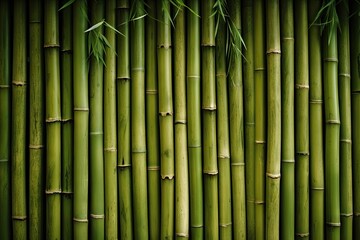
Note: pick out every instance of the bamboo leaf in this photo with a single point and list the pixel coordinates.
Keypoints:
(67, 4)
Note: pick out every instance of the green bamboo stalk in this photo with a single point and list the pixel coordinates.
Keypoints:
(123, 122)
(316, 126)
(152, 123)
(260, 116)
(182, 214)
(210, 168)
(249, 115)
(355, 112)
(194, 122)
(5, 118)
(138, 132)
(67, 124)
(237, 133)
(225, 214)
(36, 123)
(81, 121)
(274, 120)
(301, 120)
(287, 217)
(346, 192)
(110, 139)
(19, 126)
(96, 134)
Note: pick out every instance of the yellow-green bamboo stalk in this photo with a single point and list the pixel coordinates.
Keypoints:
(19, 126)
(67, 124)
(346, 190)
(194, 121)
(182, 210)
(125, 217)
(36, 123)
(81, 120)
(5, 118)
(287, 201)
(301, 120)
(316, 126)
(249, 115)
(138, 133)
(260, 117)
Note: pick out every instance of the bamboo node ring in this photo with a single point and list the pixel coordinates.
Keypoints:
(151, 91)
(4, 160)
(333, 121)
(164, 114)
(97, 216)
(302, 235)
(260, 141)
(111, 149)
(124, 165)
(225, 225)
(153, 168)
(50, 192)
(302, 86)
(36, 146)
(80, 109)
(346, 75)
(288, 160)
(20, 218)
(80, 220)
(357, 214)
(273, 175)
(180, 122)
(51, 45)
(346, 214)
(18, 83)
(53, 120)
(274, 51)
(346, 141)
(330, 59)
(4, 85)
(167, 176)
(238, 164)
(333, 224)
(211, 172)
(223, 156)
(182, 235)
(197, 226)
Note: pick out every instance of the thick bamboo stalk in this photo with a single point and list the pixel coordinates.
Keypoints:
(316, 126)
(5, 119)
(301, 120)
(110, 139)
(194, 122)
(237, 132)
(260, 117)
(67, 124)
(223, 140)
(36, 123)
(182, 207)
(19, 125)
(81, 121)
(123, 122)
(274, 120)
(249, 115)
(152, 123)
(346, 191)
(210, 168)
(138, 132)
(287, 217)
(96, 134)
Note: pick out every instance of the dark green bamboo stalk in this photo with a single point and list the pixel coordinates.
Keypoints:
(152, 123)
(260, 117)
(138, 132)
(301, 120)
(36, 123)
(67, 124)
(287, 217)
(346, 192)
(110, 139)
(194, 122)
(123, 122)
(237, 132)
(19, 126)
(316, 127)
(249, 115)
(96, 134)
(182, 210)
(225, 214)
(81, 121)
(5, 118)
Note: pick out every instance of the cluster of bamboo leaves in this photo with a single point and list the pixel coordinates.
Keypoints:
(213, 119)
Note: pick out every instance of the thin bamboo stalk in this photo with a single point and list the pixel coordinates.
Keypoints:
(287, 217)
(301, 121)
(194, 122)
(260, 116)
(225, 202)
(123, 122)
(67, 139)
(182, 210)
(138, 132)
(19, 125)
(36, 123)
(96, 134)
(249, 115)
(5, 119)
(110, 139)
(81, 121)
(316, 126)
(152, 123)
(346, 191)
